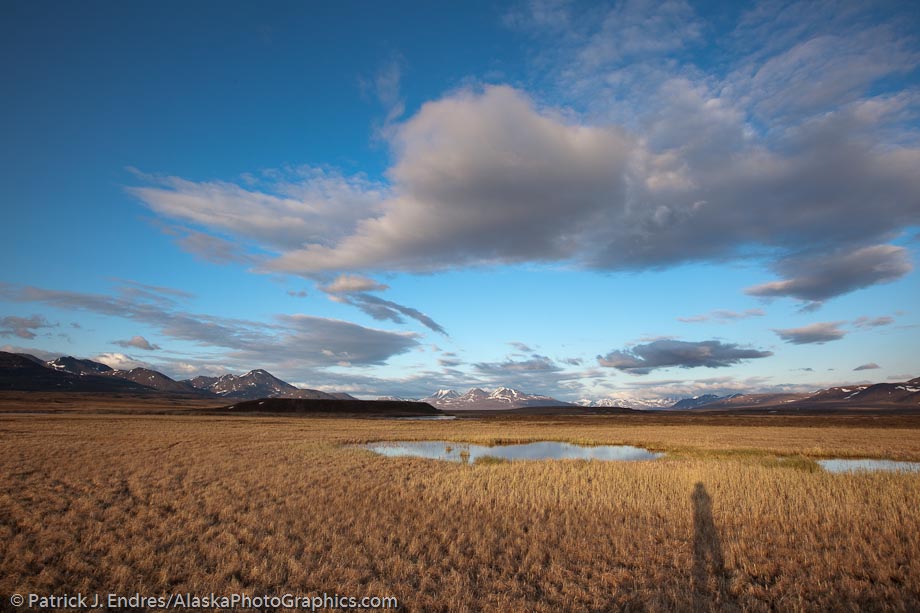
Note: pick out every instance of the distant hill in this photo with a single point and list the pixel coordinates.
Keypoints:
(699, 401)
(385, 408)
(157, 380)
(31, 357)
(257, 384)
(737, 401)
(21, 373)
(905, 394)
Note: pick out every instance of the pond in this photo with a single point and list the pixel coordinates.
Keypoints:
(849, 466)
(543, 450)
(426, 417)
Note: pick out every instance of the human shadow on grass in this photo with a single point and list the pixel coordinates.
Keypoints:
(710, 581)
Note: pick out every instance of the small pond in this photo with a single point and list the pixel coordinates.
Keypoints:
(849, 466)
(426, 417)
(543, 450)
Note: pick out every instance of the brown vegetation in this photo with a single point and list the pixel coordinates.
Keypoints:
(159, 504)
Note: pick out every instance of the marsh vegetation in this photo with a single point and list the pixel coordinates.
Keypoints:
(161, 504)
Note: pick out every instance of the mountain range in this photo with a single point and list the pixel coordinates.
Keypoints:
(257, 384)
(630, 402)
(25, 372)
(479, 399)
(903, 394)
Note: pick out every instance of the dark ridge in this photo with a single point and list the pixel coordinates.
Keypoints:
(18, 373)
(159, 381)
(389, 408)
(75, 366)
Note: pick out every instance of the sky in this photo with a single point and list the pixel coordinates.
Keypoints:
(587, 200)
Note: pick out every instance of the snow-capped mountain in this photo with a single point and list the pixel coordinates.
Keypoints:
(906, 392)
(603, 402)
(444, 395)
(257, 384)
(75, 366)
(630, 402)
(499, 398)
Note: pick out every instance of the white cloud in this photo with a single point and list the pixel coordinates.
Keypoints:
(816, 277)
(813, 333)
(23, 327)
(290, 340)
(349, 284)
(279, 211)
(643, 160)
(643, 359)
(481, 178)
(120, 361)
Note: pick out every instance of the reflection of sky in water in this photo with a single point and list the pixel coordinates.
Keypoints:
(848, 466)
(545, 450)
(427, 417)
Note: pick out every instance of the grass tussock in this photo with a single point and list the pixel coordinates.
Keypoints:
(488, 460)
(208, 504)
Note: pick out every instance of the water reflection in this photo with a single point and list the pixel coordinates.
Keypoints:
(427, 417)
(849, 466)
(543, 450)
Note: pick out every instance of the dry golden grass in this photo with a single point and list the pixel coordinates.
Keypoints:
(159, 504)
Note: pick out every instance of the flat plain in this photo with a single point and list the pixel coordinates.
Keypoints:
(736, 516)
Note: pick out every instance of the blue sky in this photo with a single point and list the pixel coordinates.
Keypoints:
(588, 200)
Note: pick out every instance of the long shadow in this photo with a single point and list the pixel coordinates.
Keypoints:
(710, 581)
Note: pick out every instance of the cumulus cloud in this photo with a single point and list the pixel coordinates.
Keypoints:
(120, 361)
(481, 177)
(137, 342)
(644, 159)
(869, 366)
(488, 177)
(817, 277)
(23, 327)
(643, 359)
(813, 333)
(722, 316)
